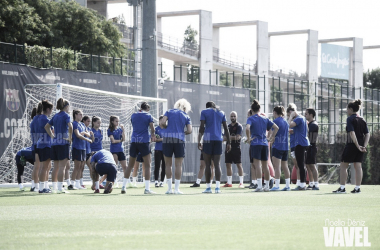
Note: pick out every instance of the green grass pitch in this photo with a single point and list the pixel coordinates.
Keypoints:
(234, 219)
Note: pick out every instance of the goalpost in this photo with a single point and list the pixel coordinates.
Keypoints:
(92, 102)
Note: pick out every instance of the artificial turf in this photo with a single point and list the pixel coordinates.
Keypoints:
(234, 219)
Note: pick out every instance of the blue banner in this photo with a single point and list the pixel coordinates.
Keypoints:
(335, 61)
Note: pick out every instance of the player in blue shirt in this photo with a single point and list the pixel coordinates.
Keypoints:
(299, 125)
(140, 139)
(44, 145)
(256, 128)
(60, 151)
(103, 163)
(33, 135)
(78, 149)
(98, 140)
(158, 155)
(280, 149)
(23, 156)
(98, 135)
(86, 121)
(292, 107)
(175, 120)
(212, 120)
(117, 137)
(356, 145)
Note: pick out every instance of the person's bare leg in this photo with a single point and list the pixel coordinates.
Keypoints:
(54, 173)
(229, 172)
(277, 167)
(168, 173)
(358, 173)
(177, 174)
(136, 169)
(77, 166)
(259, 172)
(47, 171)
(36, 170)
(124, 167)
(297, 170)
(343, 173)
(207, 159)
(253, 172)
(265, 167)
(285, 169)
(240, 169)
(310, 173)
(42, 176)
(146, 170)
(201, 169)
(314, 171)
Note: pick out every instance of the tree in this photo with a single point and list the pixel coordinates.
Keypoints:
(20, 24)
(371, 79)
(189, 42)
(63, 24)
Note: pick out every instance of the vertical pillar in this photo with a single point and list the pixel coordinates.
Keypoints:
(262, 64)
(159, 30)
(357, 60)
(99, 6)
(149, 53)
(205, 49)
(312, 65)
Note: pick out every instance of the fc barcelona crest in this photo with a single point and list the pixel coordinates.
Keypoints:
(12, 99)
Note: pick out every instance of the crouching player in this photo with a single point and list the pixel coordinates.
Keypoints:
(23, 156)
(103, 163)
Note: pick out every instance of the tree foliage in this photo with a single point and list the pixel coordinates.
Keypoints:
(63, 24)
(190, 42)
(371, 79)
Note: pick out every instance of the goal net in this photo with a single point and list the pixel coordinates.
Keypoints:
(92, 102)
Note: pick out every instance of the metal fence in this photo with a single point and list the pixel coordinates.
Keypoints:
(177, 45)
(42, 57)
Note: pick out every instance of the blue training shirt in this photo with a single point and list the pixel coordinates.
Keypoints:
(61, 129)
(33, 133)
(140, 124)
(292, 140)
(213, 121)
(103, 156)
(78, 143)
(259, 127)
(158, 131)
(97, 144)
(117, 135)
(26, 152)
(177, 121)
(44, 140)
(300, 131)
(281, 139)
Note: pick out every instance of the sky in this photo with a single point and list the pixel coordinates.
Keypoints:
(331, 18)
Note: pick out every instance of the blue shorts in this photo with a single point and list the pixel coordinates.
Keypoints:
(172, 146)
(139, 158)
(259, 152)
(60, 152)
(280, 154)
(108, 169)
(78, 155)
(120, 156)
(44, 154)
(136, 148)
(212, 147)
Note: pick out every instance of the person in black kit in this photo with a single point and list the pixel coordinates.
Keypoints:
(234, 156)
(311, 151)
(356, 146)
